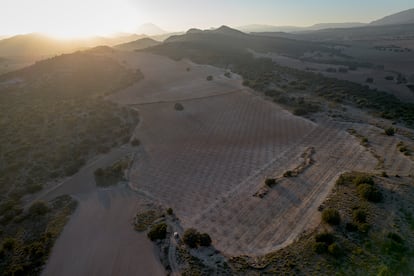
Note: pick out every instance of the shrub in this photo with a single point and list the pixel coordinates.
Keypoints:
(331, 216)
(390, 131)
(204, 239)
(370, 80)
(158, 232)
(9, 244)
(270, 182)
(395, 237)
(360, 216)
(363, 179)
(178, 107)
(369, 192)
(319, 247)
(209, 78)
(288, 174)
(38, 208)
(135, 142)
(364, 227)
(170, 211)
(191, 237)
(335, 250)
(326, 238)
(350, 227)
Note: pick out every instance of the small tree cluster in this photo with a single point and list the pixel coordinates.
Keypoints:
(193, 238)
(325, 242)
(331, 216)
(158, 232)
(39, 208)
(270, 182)
(369, 192)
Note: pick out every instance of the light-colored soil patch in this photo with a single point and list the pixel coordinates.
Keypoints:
(100, 239)
(166, 80)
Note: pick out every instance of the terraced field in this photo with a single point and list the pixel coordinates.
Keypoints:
(207, 161)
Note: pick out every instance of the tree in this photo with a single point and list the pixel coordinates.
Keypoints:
(369, 192)
(210, 78)
(191, 237)
(331, 216)
(205, 239)
(158, 232)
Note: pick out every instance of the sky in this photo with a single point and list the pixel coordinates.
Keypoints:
(80, 18)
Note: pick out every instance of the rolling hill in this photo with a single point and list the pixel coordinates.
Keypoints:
(227, 43)
(137, 44)
(404, 17)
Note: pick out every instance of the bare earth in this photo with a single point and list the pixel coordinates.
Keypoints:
(206, 162)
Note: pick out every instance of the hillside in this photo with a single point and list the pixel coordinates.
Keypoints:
(404, 17)
(224, 41)
(41, 46)
(54, 119)
(137, 44)
(369, 32)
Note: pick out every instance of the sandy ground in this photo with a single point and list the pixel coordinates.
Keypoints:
(99, 239)
(207, 161)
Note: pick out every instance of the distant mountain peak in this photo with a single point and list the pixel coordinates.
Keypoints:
(227, 30)
(150, 29)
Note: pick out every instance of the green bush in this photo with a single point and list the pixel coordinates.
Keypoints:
(39, 208)
(331, 216)
(326, 238)
(335, 250)
(158, 232)
(360, 216)
(209, 78)
(170, 211)
(319, 247)
(270, 182)
(191, 237)
(369, 192)
(204, 239)
(363, 179)
(351, 227)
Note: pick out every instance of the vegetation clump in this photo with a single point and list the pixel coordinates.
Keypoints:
(369, 192)
(193, 238)
(331, 216)
(178, 107)
(270, 182)
(389, 131)
(158, 232)
(209, 78)
(135, 142)
(26, 241)
(113, 174)
(144, 219)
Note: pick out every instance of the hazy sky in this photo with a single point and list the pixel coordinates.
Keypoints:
(87, 17)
